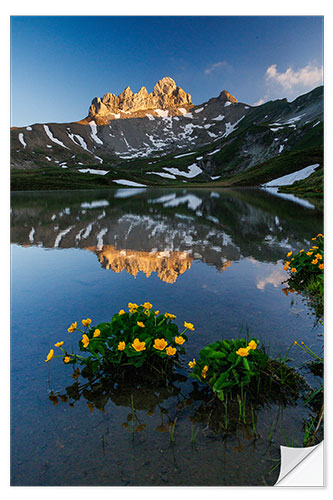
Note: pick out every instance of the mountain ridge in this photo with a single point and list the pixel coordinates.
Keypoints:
(174, 142)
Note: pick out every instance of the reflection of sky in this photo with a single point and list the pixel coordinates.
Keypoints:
(57, 287)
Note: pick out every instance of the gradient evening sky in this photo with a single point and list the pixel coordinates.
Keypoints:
(59, 64)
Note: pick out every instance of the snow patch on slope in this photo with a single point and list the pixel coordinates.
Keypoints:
(93, 133)
(194, 170)
(53, 139)
(289, 179)
(126, 182)
(21, 139)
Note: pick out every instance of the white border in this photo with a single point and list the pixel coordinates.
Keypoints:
(186, 7)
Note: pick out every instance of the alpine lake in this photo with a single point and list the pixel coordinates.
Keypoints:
(211, 257)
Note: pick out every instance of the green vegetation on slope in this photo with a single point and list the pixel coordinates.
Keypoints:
(276, 167)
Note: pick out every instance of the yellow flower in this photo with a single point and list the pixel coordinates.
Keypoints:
(301, 250)
(321, 266)
(139, 346)
(160, 344)
(171, 351)
(286, 267)
(121, 312)
(86, 322)
(180, 340)
(97, 332)
(85, 340)
(189, 326)
(58, 344)
(170, 316)
(293, 270)
(313, 239)
(252, 345)
(243, 351)
(139, 323)
(157, 313)
(147, 313)
(67, 359)
(192, 363)
(315, 248)
(320, 235)
(50, 355)
(204, 371)
(289, 253)
(309, 253)
(147, 305)
(132, 306)
(319, 256)
(314, 261)
(121, 346)
(72, 327)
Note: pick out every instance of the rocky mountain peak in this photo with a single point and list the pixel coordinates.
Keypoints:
(165, 86)
(166, 96)
(226, 96)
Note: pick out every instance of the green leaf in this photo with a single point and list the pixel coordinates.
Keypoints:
(217, 355)
(220, 395)
(246, 364)
(221, 382)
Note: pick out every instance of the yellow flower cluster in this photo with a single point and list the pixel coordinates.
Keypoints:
(50, 355)
(244, 351)
(73, 327)
(161, 344)
(86, 322)
(139, 346)
(204, 371)
(169, 316)
(192, 363)
(318, 256)
(132, 307)
(85, 340)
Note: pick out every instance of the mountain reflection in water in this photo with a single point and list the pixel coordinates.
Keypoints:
(162, 231)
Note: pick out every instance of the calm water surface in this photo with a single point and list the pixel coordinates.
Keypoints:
(211, 258)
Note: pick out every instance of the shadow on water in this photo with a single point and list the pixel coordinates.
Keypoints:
(211, 257)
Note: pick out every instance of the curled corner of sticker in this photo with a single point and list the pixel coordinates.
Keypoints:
(302, 466)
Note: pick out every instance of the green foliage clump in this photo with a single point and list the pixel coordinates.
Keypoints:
(140, 337)
(227, 365)
(306, 276)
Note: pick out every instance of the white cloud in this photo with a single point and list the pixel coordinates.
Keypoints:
(309, 76)
(214, 67)
(260, 101)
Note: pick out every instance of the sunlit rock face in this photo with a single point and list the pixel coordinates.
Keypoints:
(168, 265)
(165, 96)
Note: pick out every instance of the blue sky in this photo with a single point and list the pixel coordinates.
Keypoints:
(59, 64)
